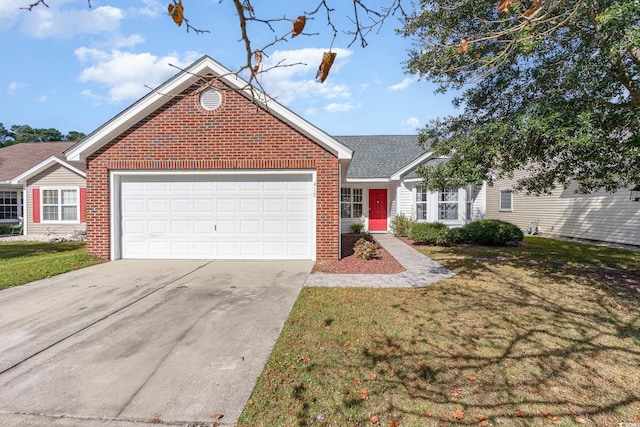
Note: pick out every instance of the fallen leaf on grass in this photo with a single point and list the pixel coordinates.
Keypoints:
(357, 381)
(429, 412)
(472, 378)
(303, 358)
(394, 423)
(459, 414)
(373, 375)
(374, 419)
(580, 420)
(364, 394)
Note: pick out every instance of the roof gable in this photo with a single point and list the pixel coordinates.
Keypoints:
(181, 81)
(17, 159)
(383, 156)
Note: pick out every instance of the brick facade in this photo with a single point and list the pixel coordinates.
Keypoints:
(237, 135)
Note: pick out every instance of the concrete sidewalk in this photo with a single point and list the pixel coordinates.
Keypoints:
(420, 270)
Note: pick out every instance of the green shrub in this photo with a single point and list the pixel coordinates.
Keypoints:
(401, 225)
(367, 236)
(357, 227)
(433, 233)
(365, 249)
(491, 232)
(5, 229)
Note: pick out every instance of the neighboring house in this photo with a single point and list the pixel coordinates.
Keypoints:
(196, 170)
(601, 216)
(39, 185)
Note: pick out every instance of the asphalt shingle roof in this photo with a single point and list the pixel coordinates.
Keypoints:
(380, 156)
(19, 158)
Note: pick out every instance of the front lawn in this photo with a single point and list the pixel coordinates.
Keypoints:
(547, 333)
(24, 262)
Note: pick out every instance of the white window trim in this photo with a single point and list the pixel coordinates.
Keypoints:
(439, 202)
(59, 189)
(352, 202)
(426, 203)
(500, 207)
(18, 210)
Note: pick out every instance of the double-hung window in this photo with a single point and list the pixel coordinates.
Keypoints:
(60, 205)
(421, 204)
(506, 200)
(448, 204)
(351, 202)
(8, 205)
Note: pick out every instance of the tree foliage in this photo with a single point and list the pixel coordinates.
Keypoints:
(556, 90)
(25, 133)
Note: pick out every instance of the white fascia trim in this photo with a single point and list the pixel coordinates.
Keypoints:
(177, 84)
(412, 180)
(44, 165)
(367, 180)
(397, 176)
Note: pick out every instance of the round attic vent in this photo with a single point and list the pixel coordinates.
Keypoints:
(210, 99)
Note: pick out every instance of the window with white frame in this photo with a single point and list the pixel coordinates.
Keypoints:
(448, 204)
(9, 203)
(421, 204)
(60, 205)
(472, 192)
(351, 202)
(506, 199)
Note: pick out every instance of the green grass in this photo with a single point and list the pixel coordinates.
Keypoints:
(533, 335)
(24, 262)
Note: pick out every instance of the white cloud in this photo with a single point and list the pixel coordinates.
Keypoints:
(290, 75)
(411, 124)
(95, 98)
(151, 9)
(336, 108)
(53, 21)
(15, 87)
(125, 74)
(42, 98)
(9, 13)
(403, 84)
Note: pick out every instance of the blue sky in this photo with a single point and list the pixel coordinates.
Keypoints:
(72, 67)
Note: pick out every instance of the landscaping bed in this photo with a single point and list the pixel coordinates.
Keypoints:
(350, 264)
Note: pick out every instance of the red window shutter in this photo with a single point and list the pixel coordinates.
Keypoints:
(36, 204)
(83, 205)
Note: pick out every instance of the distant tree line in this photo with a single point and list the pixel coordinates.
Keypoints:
(24, 133)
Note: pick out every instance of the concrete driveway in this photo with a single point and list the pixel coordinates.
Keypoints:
(147, 341)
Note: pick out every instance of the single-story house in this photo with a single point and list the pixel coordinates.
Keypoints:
(600, 216)
(205, 167)
(40, 187)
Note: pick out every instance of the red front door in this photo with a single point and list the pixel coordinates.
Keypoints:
(378, 210)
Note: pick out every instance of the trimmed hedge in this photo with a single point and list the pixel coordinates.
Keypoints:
(429, 233)
(491, 232)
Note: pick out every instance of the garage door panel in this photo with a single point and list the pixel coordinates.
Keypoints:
(223, 217)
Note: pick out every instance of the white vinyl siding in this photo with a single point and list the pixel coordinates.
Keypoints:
(602, 216)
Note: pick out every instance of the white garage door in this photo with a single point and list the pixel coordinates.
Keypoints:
(217, 217)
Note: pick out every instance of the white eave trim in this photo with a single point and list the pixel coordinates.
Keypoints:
(164, 93)
(398, 175)
(367, 180)
(44, 165)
